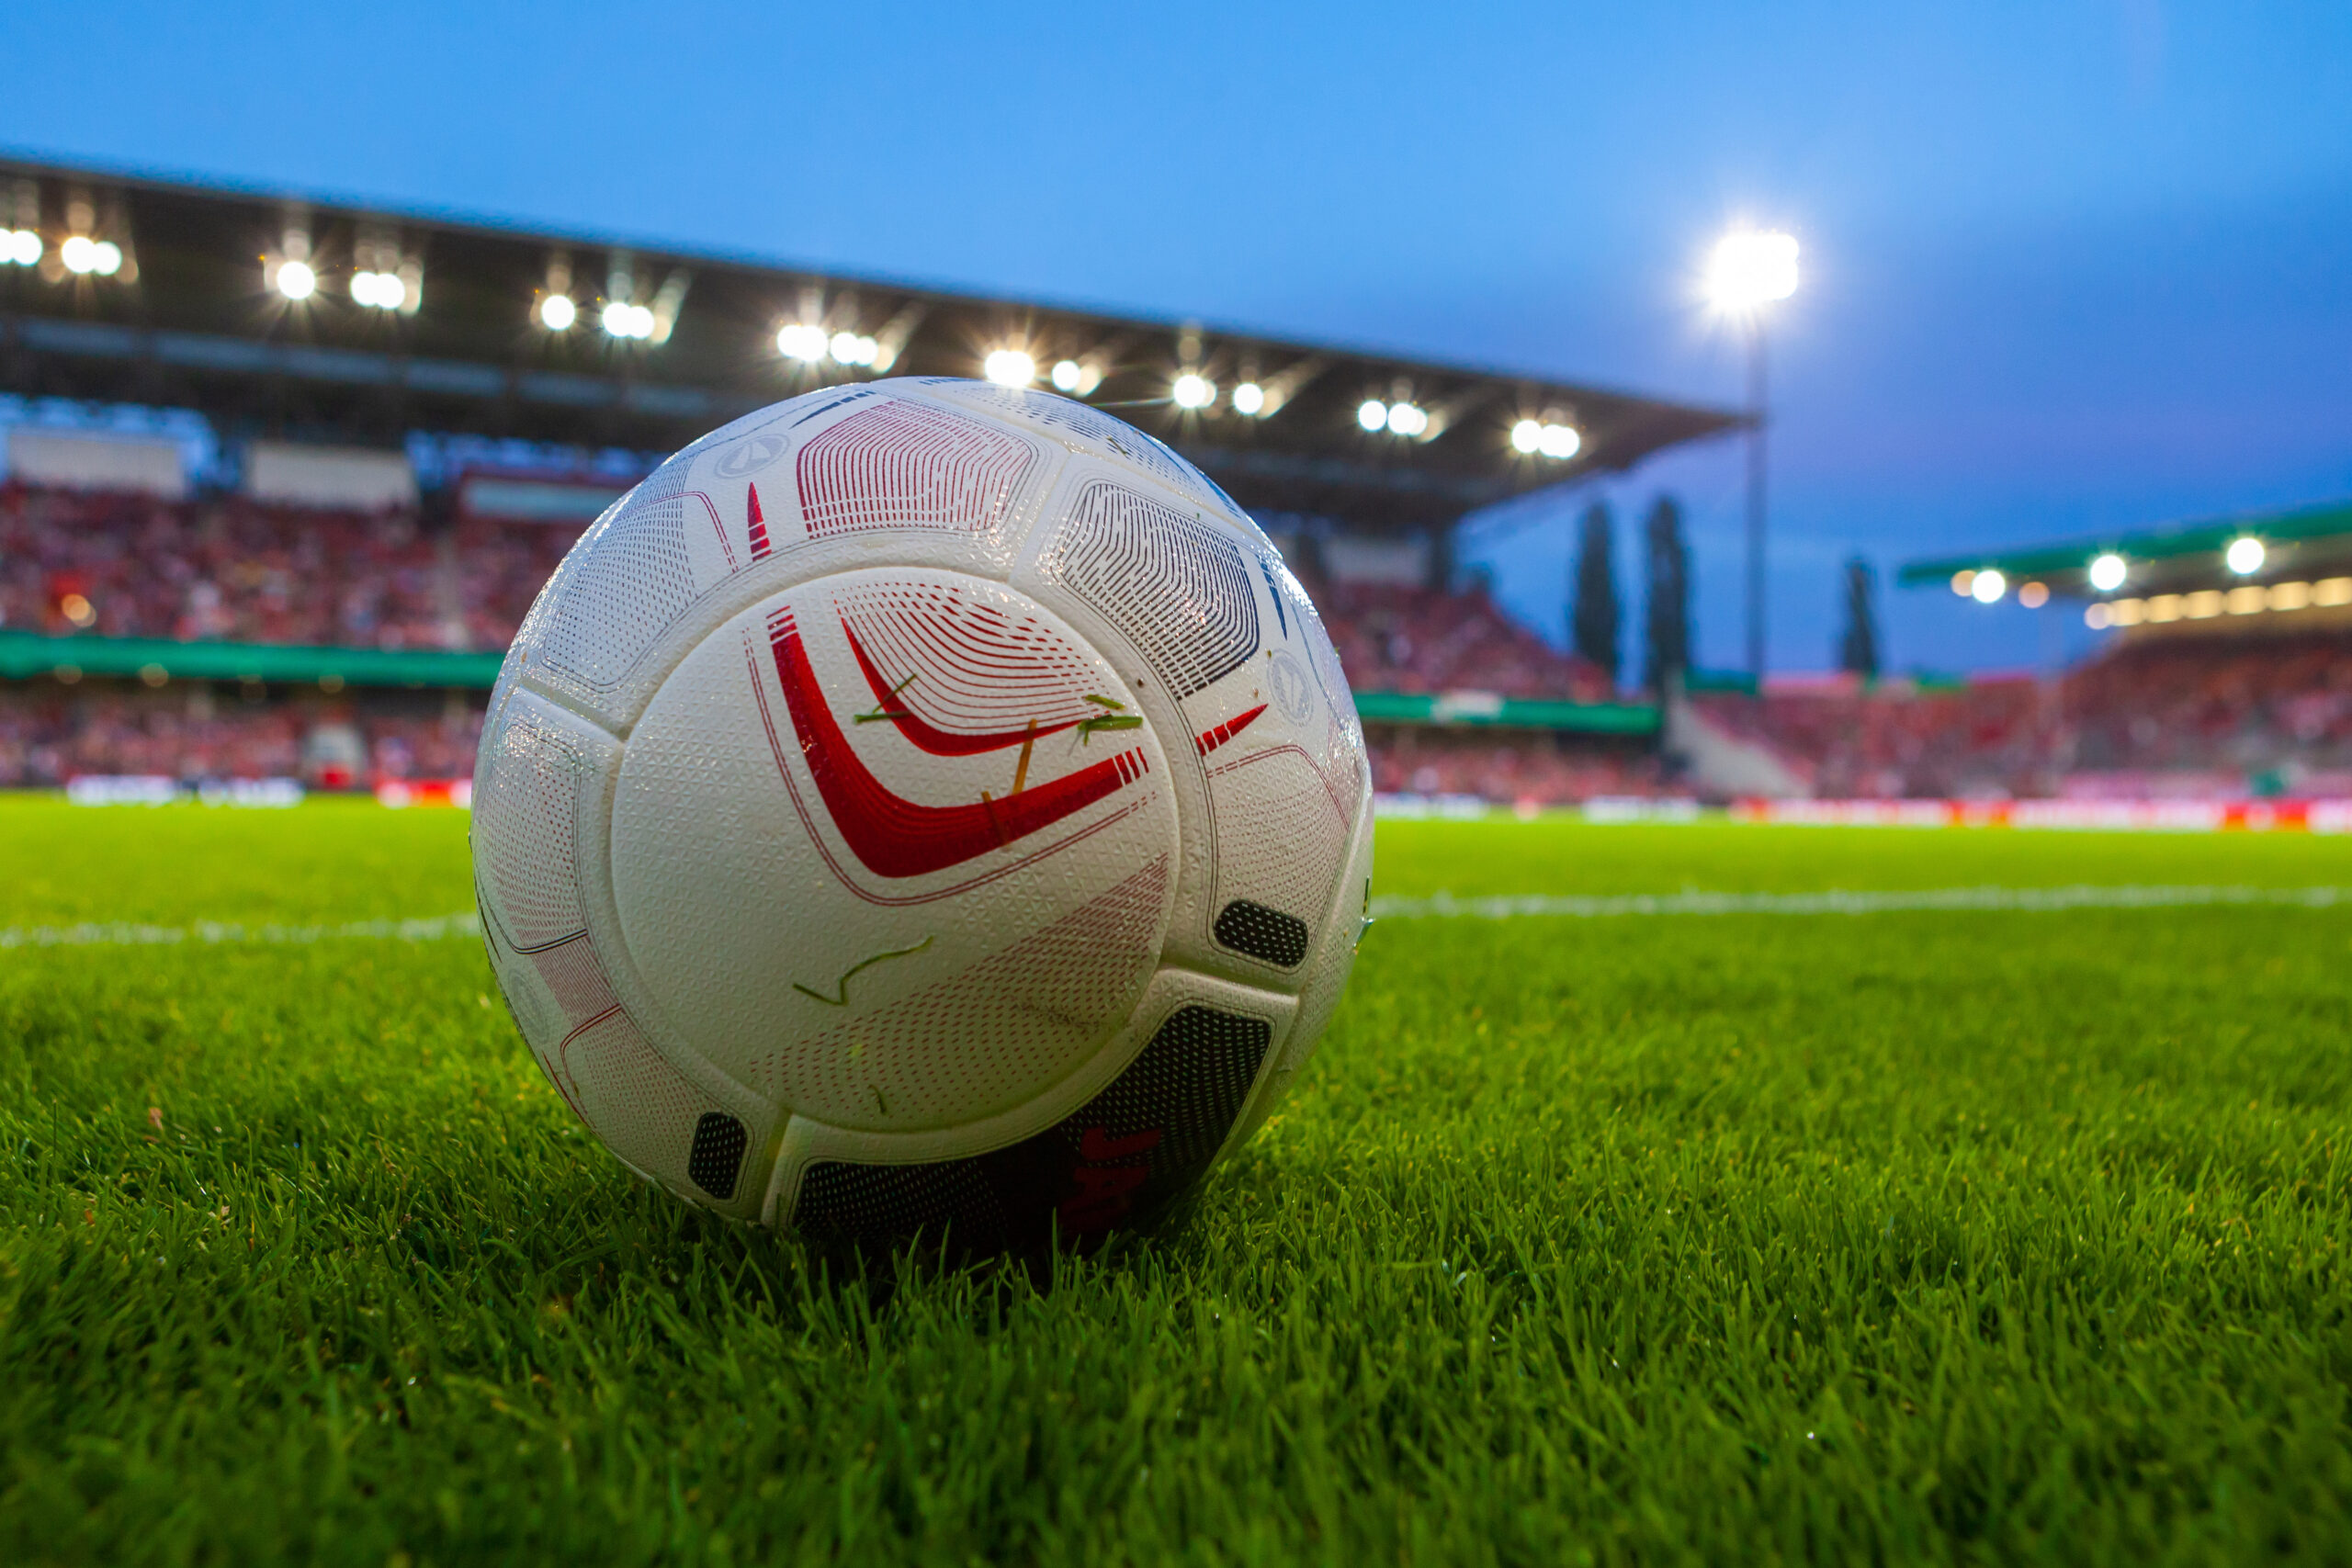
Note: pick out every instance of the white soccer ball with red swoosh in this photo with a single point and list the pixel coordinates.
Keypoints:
(922, 806)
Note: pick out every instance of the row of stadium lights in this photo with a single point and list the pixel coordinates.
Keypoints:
(294, 279)
(81, 255)
(2108, 571)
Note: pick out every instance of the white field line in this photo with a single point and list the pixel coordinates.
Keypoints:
(1834, 901)
(123, 933)
(1840, 901)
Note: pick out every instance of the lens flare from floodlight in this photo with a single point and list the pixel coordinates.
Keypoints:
(1067, 375)
(1009, 367)
(295, 279)
(1989, 586)
(623, 320)
(1408, 418)
(1249, 399)
(80, 254)
(23, 246)
(557, 313)
(803, 341)
(2107, 572)
(2034, 596)
(1372, 414)
(1752, 267)
(1560, 442)
(105, 258)
(2244, 555)
(1194, 391)
(1527, 435)
(853, 348)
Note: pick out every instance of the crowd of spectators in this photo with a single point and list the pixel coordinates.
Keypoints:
(2194, 714)
(2202, 702)
(500, 569)
(1895, 740)
(234, 570)
(51, 733)
(1515, 767)
(2174, 708)
(1394, 638)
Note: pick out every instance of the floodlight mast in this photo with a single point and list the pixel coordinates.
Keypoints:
(1750, 269)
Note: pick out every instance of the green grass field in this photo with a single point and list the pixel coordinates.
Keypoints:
(1954, 1236)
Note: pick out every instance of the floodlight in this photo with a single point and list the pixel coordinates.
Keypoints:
(2107, 572)
(802, 341)
(295, 279)
(1067, 373)
(1408, 418)
(1750, 269)
(854, 348)
(1249, 399)
(1194, 391)
(384, 291)
(557, 313)
(80, 254)
(105, 258)
(1988, 587)
(624, 320)
(1373, 414)
(1009, 367)
(2244, 555)
(1560, 441)
(24, 247)
(1527, 435)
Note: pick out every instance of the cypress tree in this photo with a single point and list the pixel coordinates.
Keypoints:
(1857, 647)
(1668, 617)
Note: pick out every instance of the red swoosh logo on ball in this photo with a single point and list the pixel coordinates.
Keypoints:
(930, 738)
(894, 836)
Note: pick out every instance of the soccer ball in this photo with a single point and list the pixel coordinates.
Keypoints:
(924, 806)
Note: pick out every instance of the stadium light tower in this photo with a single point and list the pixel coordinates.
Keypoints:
(1751, 268)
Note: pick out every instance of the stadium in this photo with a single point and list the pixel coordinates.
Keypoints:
(285, 538)
(1863, 1114)
(381, 489)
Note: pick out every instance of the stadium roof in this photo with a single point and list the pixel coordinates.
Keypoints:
(138, 290)
(2301, 544)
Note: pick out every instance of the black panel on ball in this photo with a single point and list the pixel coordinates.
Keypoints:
(1262, 933)
(714, 1163)
(1117, 1160)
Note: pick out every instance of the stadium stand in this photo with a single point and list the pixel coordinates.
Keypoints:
(319, 480)
(1419, 639)
(2201, 709)
(229, 569)
(126, 565)
(2156, 714)
(51, 733)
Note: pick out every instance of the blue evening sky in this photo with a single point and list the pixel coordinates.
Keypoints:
(2069, 265)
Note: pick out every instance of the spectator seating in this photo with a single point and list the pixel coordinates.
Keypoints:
(2219, 711)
